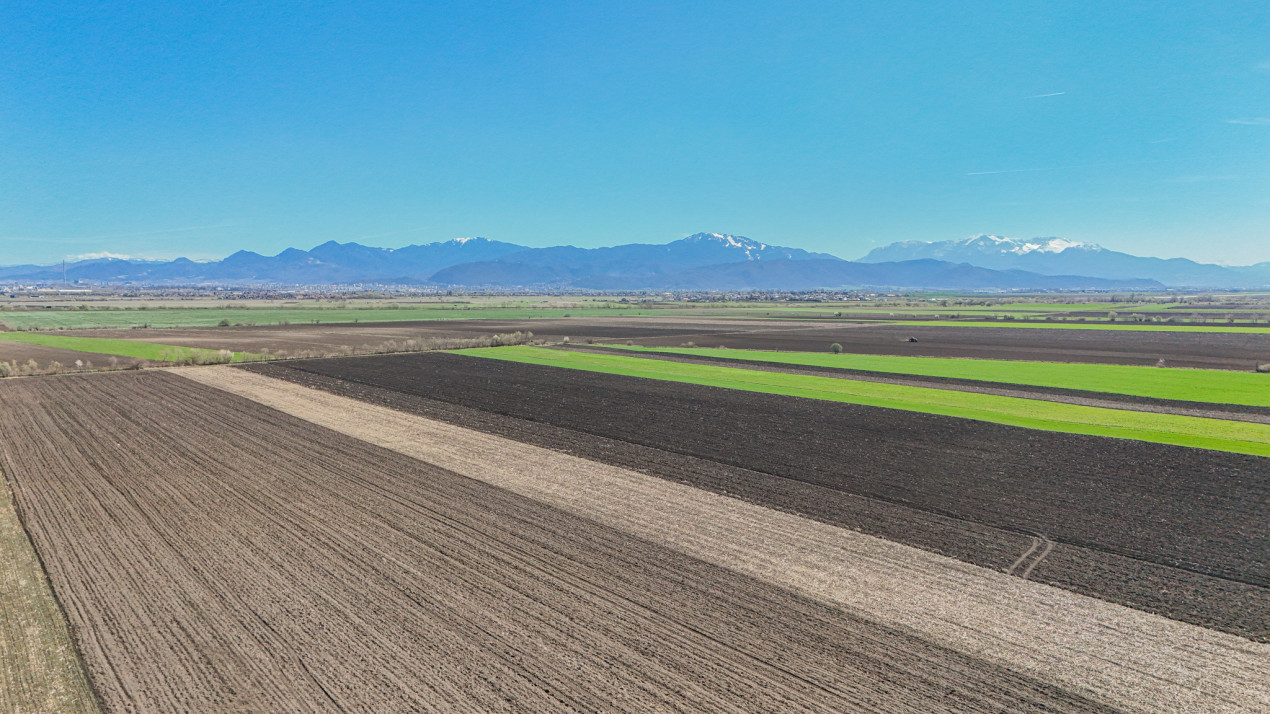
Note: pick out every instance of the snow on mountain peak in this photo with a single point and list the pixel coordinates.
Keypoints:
(1001, 244)
(746, 244)
(461, 241)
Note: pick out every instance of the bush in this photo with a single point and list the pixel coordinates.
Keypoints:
(835, 348)
(223, 323)
(6, 369)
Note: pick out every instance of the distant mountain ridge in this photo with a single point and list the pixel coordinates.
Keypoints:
(1057, 256)
(704, 261)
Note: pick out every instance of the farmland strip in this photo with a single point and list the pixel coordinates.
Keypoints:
(218, 555)
(1181, 594)
(1235, 350)
(1184, 508)
(1208, 410)
(1121, 656)
(1215, 434)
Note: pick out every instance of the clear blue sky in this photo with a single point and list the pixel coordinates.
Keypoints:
(197, 129)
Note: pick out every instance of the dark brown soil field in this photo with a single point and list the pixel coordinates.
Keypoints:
(216, 555)
(1215, 350)
(1175, 520)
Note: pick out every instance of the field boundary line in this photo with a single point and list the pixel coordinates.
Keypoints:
(1131, 659)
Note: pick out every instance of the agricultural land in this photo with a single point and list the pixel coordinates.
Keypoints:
(642, 506)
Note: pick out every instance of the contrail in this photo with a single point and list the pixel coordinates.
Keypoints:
(1051, 94)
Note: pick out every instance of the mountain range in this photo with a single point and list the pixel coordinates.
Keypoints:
(705, 261)
(1056, 256)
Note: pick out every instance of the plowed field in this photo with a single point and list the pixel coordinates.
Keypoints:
(217, 555)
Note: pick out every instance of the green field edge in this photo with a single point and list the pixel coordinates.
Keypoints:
(1196, 432)
(1210, 386)
(152, 351)
(40, 666)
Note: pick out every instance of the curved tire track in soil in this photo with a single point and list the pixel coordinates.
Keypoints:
(215, 554)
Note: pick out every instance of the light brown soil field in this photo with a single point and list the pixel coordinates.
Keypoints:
(39, 670)
(217, 555)
(328, 338)
(1123, 657)
(20, 352)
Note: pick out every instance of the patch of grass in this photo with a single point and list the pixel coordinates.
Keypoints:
(1216, 434)
(129, 348)
(39, 671)
(1193, 385)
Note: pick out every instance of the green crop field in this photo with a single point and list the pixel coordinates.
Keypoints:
(1193, 385)
(122, 348)
(1216, 434)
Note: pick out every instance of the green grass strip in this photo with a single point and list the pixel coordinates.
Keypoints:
(1212, 386)
(1216, 434)
(122, 348)
(1123, 326)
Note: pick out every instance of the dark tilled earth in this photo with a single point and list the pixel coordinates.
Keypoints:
(1214, 350)
(1166, 529)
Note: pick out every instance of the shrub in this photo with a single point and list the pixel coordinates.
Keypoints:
(835, 348)
(223, 323)
(6, 369)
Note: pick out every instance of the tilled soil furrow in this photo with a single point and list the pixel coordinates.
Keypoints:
(1129, 658)
(218, 555)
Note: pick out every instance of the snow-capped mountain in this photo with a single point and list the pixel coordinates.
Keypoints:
(704, 261)
(1059, 256)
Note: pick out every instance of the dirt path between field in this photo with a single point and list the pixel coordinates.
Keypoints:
(39, 668)
(1120, 656)
(1257, 415)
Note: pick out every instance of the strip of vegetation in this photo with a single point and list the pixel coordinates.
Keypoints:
(129, 348)
(1215, 434)
(1213, 386)
(211, 317)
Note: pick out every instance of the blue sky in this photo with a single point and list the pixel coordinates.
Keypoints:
(198, 129)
